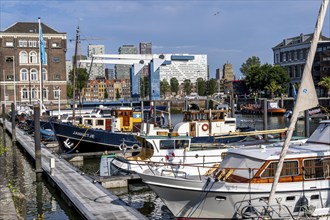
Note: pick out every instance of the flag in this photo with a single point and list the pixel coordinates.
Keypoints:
(294, 92)
(42, 46)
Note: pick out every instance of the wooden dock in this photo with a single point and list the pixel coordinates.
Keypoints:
(87, 196)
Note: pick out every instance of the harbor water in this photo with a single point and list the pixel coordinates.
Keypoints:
(39, 200)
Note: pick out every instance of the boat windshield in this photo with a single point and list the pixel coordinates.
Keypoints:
(321, 134)
(173, 144)
(241, 165)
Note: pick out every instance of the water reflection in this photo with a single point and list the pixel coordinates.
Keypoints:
(33, 198)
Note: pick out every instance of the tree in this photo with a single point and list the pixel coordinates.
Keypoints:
(187, 86)
(117, 94)
(325, 82)
(81, 80)
(251, 61)
(212, 86)
(174, 85)
(272, 87)
(164, 87)
(201, 86)
(258, 77)
(105, 95)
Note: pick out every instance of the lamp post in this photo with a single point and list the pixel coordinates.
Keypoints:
(59, 104)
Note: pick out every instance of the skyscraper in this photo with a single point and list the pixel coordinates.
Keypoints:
(145, 48)
(123, 71)
(97, 69)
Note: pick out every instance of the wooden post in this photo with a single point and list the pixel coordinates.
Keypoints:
(306, 121)
(169, 114)
(265, 124)
(282, 101)
(232, 105)
(3, 125)
(142, 110)
(37, 145)
(13, 123)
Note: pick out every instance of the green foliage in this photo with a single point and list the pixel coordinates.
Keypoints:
(69, 90)
(201, 86)
(117, 94)
(187, 86)
(251, 61)
(164, 87)
(213, 86)
(325, 82)
(174, 85)
(3, 150)
(81, 81)
(106, 95)
(262, 76)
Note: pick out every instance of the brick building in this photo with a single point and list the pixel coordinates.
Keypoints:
(20, 65)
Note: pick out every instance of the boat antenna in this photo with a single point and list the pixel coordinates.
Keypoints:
(306, 98)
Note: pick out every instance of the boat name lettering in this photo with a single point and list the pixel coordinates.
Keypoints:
(84, 134)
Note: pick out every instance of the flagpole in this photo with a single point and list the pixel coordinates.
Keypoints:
(40, 69)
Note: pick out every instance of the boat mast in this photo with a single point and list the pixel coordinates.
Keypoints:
(74, 78)
(306, 97)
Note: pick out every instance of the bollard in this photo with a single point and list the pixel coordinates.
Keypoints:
(306, 121)
(52, 165)
(265, 117)
(13, 123)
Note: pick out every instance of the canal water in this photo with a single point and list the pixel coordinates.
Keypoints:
(39, 200)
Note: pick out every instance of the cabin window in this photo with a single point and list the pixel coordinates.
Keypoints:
(290, 168)
(181, 144)
(221, 115)
(126, 113)
(88, 122)
(316, 197)
(166, 144)
(100, 122)
(317, 168)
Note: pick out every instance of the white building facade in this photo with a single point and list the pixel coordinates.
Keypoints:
(185, 66)
(97, 69)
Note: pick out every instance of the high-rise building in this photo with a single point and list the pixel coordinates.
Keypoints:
(145, 48)
(228, 73)
(184, 66)
(123, 71)
(96, 70)
(20, 78)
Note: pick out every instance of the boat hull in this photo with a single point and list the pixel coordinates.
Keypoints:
(219, 200)
(74, 139)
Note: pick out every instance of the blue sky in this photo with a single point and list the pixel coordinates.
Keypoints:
(227, 31)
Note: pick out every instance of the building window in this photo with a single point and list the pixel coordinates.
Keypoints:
(33, 93)
(33, 75)
(57, 93)
(32, 43)
(23, 57)
(24, 75)
(56, 59)
(24, 93)
(44, 93)
(33, 57)
(57, 77)
(10, 77)
(44, 74)
(22, 43)
(284, 57)
(55, 45)
(9, 44)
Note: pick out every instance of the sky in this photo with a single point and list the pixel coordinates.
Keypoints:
(227, 31)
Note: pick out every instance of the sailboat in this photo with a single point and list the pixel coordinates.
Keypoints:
(273, 182)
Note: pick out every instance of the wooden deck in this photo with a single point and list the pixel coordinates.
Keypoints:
(89, 198)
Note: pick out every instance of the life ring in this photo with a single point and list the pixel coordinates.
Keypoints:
(170, 157)
(122, 147)
(205, 127)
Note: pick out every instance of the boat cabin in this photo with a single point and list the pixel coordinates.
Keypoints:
(165, 148)
(113, 119)
(199, 123)
(304, 162)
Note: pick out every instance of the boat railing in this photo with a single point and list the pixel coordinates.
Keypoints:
(259, 208)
